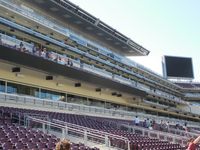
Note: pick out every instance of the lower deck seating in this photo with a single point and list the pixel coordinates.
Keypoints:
(138, 142)
(14, 137)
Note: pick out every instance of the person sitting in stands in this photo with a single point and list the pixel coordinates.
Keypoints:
(36, 50)
(63, 145)
(192, 145)
(43, 52)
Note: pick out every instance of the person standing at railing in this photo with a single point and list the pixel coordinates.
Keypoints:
(136, 121)
(21, 46)
(193, 143)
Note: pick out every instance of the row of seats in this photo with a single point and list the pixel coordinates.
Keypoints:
(102, 124)
(20, 138)
(189, 85)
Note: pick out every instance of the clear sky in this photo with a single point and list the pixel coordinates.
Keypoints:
(165, 27)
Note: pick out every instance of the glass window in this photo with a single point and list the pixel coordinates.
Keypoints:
(22, 89)
(46, 94)
(2, 86)
(98, 103)
(76, 99)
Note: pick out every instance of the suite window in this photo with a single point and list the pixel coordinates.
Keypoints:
(22, 89)
(51, 95)
(2, 86)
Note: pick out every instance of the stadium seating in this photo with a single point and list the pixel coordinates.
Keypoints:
(102, 124)
(17, 137)
(189, 85)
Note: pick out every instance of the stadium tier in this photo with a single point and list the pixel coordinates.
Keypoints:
(58, 60)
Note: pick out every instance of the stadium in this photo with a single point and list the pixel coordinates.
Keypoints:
(65, 75)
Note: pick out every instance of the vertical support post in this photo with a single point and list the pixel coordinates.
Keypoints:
(48, 127)
(106, 141)
(63, 133)
(66, 130)
(25, 121)
(43, 127)
(39, 94)
(129, 148)
(6, 87)
(19, 119)
(28, 123)
(173, 140)
(148, 133)
(85, 136)
(142, 132)
(65, 97)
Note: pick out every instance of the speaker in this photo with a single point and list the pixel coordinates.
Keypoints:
(12, 30)
(119, 95)
(114, 93)
(49, 77)
(98, 89)
(77, 84)
(16, 69)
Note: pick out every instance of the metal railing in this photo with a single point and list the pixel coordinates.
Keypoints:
(11, 41)
(80, 108)
(178, 136)
(72, 130)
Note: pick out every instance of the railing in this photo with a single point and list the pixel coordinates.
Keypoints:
(197, 95)
(11, 41)
(98, 71)
(72, 130)
(172, 138)
(81, 109)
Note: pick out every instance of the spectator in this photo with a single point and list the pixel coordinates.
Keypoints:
(161, 125)
(145, 124)
(21, 45)
(148, 123)
(43, 52)
(192, 144)
(154, 125)
(185, 127)
(63, 145)
(167, 126)
(36, 50)
(177, 126)
(62, 98)
(151, 127)
(69, 62)
(137, 121)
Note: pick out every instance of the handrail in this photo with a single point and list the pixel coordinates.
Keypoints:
(109, 75)
(87, 132)
(163, 135)
(34, 101)
(87, 129)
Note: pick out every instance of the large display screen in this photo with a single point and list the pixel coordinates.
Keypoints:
(177, 67)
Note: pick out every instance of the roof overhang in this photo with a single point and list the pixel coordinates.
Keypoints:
(75, 16)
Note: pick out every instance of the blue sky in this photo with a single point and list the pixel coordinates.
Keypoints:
(165, 27)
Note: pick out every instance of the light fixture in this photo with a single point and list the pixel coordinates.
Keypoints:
(60, 84)
(19, 75)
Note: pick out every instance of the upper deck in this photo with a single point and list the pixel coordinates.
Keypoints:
(85, 22)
